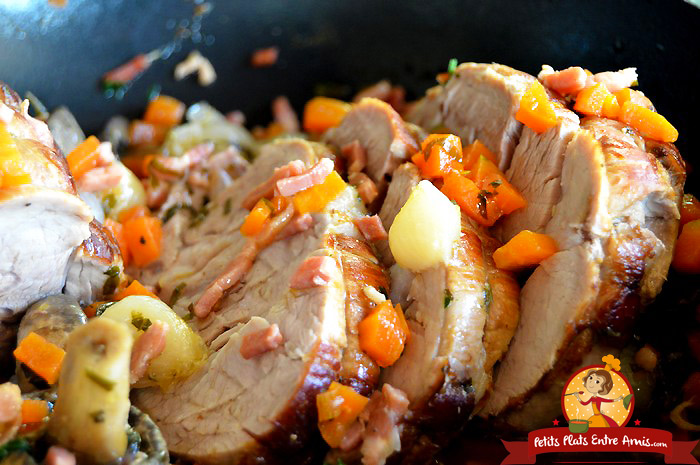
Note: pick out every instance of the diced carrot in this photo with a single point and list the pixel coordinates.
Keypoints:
(34, 410)
(482, 169)
(383, 334)
(135, 163)
(84, 157)
(12, 170)
(441, 153)
(338, 407)
(690, 209)
(471, 199)
(135, 288)
(143, 133)
(634, 96)
(117, 230)
(257, 218)
(536, 110)
(321, 113)
(506, 196)
(686, 256)
(474, 151)
(137, 211)
(590, 100)
(526, 249)
(91, 310)
(164, 110)
(489, 178)
(315, 198)
(41, 356)
(649, 123)
(143, 236)
(611, 107)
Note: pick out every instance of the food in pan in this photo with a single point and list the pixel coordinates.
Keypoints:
(372, 283)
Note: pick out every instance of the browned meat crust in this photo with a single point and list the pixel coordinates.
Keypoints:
(360, 269)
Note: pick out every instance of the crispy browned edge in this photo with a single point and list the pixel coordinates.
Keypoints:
(619, 301)
(360, 268)
(295, 437)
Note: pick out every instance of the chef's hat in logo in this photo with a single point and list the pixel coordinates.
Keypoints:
(597, 396)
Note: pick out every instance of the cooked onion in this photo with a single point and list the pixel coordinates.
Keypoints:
(425, 229)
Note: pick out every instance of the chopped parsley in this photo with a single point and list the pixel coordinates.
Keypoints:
(495, 183)
(227, 206)
(112, 280)
(447, 299)
(176, 293)
(153, 91)
(488, 297)
(105, 383)
(109, 201)
(15, 445)
(452, 66)
(190, 313)
(102, 307)
(140, 322)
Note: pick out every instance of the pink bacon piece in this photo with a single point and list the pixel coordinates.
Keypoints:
(285, 115)
(103, 177)
(314, 176)
(267, 188)
(241, 263)
(59, 456)
(569, 81)
(371, 228)
(260, 342)
(147, 347)
(617, 80)
(313, 272)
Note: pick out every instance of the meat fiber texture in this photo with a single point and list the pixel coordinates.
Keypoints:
(262, 409)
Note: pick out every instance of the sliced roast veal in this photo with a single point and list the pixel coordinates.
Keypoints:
(615, 198)
(381, 132)
(535, 170)
(461, 315)
(43, 221)
(479, 102)
(95, 269)
(239, 410)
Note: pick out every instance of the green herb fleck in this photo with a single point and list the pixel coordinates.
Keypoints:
(40, 110)
(190, 313)
(200, 216)
(153, 91)
(227, 206)
(102, 307)
(488, 297)
(447, 299)
(140, 322)
(495, 183)
(98, 416)
(452, 66)
(109, 201)
(112, 280)
(105, 383)
(15, 445)
(170, 212)
(176, 293)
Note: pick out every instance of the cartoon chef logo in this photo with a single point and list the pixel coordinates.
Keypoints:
(597, 396)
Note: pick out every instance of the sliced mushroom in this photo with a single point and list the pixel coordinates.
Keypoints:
(92, 408)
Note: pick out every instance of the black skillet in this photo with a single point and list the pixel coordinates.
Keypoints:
(60, 54)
